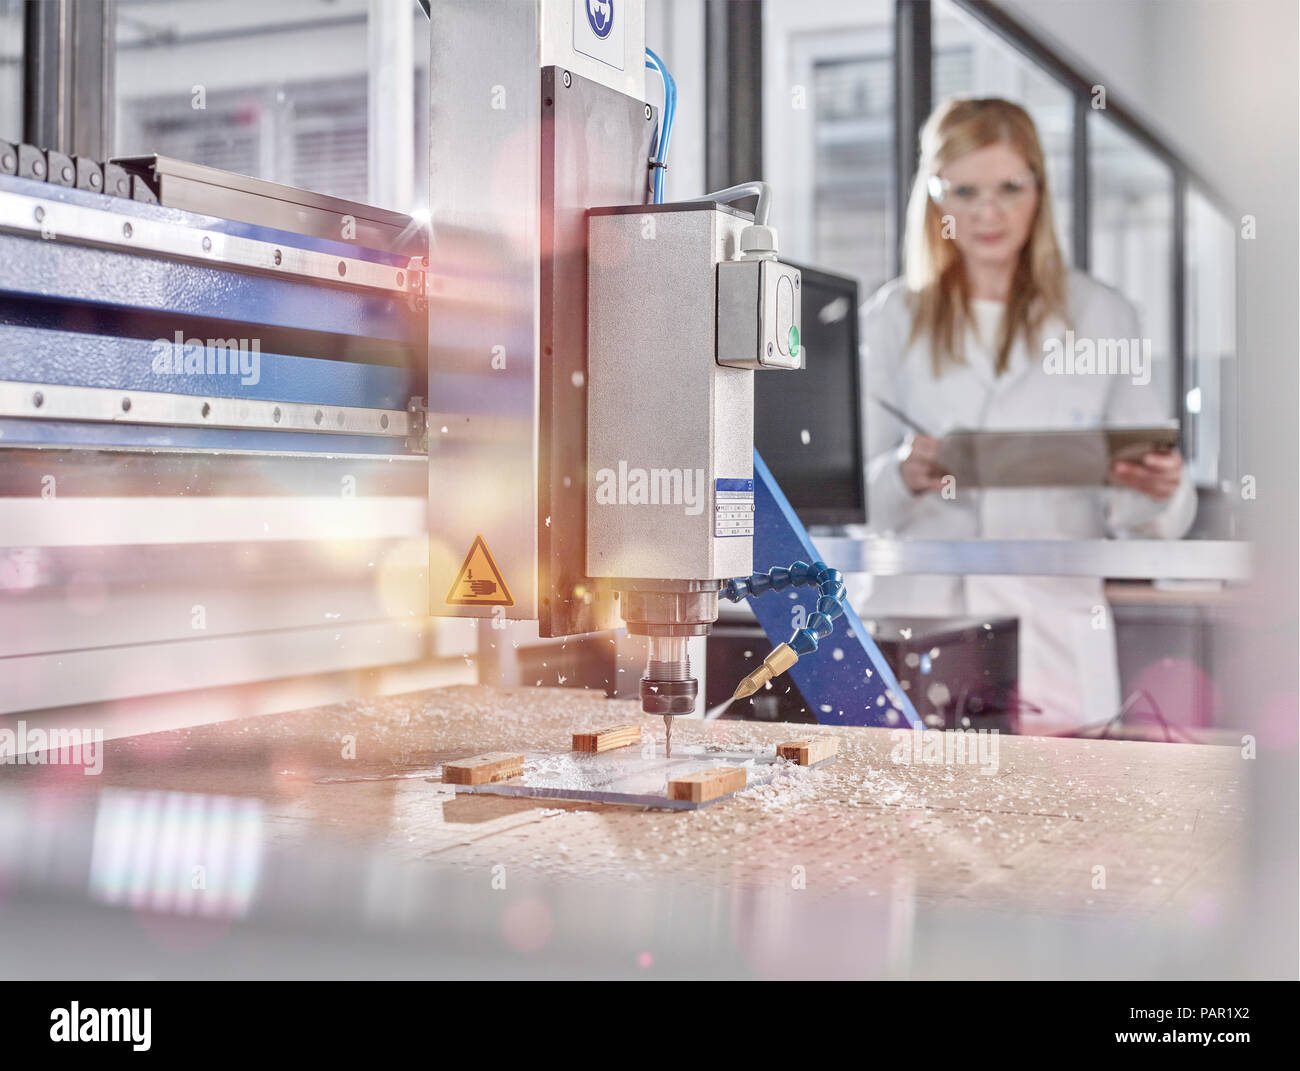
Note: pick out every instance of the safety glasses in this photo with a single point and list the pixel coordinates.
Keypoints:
(964, 196)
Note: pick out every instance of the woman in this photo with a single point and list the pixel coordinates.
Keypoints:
(960, 343)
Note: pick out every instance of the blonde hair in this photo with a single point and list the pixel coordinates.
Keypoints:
(935, 274)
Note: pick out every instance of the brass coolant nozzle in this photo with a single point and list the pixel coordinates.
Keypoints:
(776, 663)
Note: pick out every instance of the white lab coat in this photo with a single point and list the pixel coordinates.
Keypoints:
(1067, 637)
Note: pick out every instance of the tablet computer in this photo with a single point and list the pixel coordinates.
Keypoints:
(1048, 457)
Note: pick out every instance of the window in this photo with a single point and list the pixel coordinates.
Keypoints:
(11, 70)
(276, 91)
(853, 146)
(1210, 339)
(828, 144)
(829, 83)
(969, 60)
(1132, 235)
(311, 134)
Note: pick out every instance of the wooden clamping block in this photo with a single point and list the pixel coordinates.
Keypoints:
(608, 738)
(812, 750)
(482, 769)
(708, 784)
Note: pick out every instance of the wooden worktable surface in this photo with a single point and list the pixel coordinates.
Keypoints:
(1165, 821)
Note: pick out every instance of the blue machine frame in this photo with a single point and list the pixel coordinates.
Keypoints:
(857, 688)
(82, 316)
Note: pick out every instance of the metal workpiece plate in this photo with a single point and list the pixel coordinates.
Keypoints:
(595, 144)
(59, 221)
(628, 776)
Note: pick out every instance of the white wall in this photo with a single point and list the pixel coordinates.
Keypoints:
(1216, 78)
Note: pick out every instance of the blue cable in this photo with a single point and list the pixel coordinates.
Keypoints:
(659, 161)
(830, 597)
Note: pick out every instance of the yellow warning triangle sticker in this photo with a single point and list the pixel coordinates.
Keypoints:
(479, 582)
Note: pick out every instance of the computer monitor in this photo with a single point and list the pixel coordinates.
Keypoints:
(808, 424)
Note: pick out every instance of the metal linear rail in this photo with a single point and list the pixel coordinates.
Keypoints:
(48, 401)
(37, 217)
(209, 191)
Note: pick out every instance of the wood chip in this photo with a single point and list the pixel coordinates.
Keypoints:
(708, 784)
(608, 738)
(813, 749)
(482, 769)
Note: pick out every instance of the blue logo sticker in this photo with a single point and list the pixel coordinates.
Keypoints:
(600, 17)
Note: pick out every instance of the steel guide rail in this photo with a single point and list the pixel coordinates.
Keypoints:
(48, 401)
(52, 220)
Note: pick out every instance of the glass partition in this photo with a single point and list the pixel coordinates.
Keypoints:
(1132, 235)
(276, 91)
(1209, 389)
(970, 60)
(11, 70)
(828, 145)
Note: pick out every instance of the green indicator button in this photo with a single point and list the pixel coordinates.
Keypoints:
(794, 340)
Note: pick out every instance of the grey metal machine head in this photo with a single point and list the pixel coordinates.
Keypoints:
(685, 302)
(591, 355)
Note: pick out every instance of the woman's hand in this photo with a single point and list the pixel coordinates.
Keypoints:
(1157, 474)
(920, 469)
